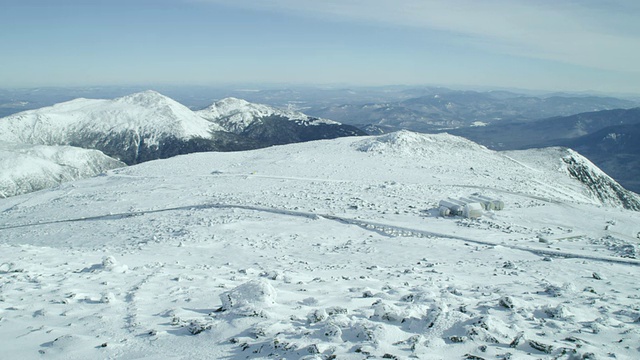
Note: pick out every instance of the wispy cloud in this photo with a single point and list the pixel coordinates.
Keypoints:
(593, 33)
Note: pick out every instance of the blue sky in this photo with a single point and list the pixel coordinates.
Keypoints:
(534, 44)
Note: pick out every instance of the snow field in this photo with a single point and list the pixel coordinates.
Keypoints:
(318, 250)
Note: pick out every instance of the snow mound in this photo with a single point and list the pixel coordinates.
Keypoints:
(407, 143)
(27, 168)
(109, 264)
(249, 299)
(235, 115)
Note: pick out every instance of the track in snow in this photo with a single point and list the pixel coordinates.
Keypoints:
(381, 228)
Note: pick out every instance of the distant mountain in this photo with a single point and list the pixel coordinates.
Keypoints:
(609, 138)
(598, 184)
(133, 128)
(616, 150)
(27, 168)
(272, 126)
(547, 132)
(454, 109)
(147, 125)
(616, 139)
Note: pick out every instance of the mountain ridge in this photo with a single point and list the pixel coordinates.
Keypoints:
(148, 125)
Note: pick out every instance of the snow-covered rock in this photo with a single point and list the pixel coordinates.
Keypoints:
(249, 299)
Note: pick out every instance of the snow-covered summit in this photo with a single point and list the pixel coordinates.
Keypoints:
(133, 128)
(147, 98)
(148, 114)
(450, 153)
(408, 143)
(148, 125)
(236, 115)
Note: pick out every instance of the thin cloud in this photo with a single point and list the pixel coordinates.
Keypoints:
(596, 34)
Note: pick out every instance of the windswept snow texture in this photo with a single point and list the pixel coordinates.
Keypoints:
(27, 168)
(321, 250)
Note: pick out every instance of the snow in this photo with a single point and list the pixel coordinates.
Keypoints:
(147, 113)
(26, 168)
(249, 299)
(235, 115)
(320, 249)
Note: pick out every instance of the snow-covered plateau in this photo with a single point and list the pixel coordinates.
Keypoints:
(329, 249)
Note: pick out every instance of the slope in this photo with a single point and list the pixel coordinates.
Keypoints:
(326, 249)
(27, 168)
(616, 150)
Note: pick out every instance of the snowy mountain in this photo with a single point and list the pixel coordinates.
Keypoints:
(293, 252)
(236, 115)
(27, 168)
(615, 149)
(147, 125)
(148, 114)
(273, 126)
(132, 128)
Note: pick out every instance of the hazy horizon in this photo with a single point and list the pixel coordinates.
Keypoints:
(588, 46)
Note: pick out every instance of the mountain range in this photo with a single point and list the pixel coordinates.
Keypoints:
(442, 109)
(271, 126)
(146, 126)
